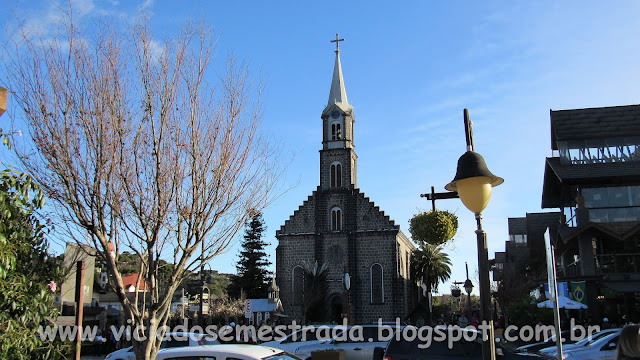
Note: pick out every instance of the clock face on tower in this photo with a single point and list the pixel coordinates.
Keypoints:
(335, 114)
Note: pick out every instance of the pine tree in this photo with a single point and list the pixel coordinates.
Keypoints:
(253, 276)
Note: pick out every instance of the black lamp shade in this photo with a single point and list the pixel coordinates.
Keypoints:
(468, 286)
(471, 164)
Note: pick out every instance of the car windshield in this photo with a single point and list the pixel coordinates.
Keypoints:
(312, 334)
(564, 335)
(594, 338)
(207, 340)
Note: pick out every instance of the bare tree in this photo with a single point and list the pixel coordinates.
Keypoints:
(138, 149)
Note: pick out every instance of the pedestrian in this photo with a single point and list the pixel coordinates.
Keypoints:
(605, 324)
(463, 322)
(629, 343)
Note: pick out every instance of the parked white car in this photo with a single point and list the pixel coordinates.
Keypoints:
(358, 345)
(603, 348)
(307, 336)
(552, 351)
(225, 352)
(177, 339)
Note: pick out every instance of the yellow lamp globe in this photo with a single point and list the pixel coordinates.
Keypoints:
(475, 193)
(474, 182)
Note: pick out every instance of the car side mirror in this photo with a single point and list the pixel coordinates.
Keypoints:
(499, 352)
(611, 346)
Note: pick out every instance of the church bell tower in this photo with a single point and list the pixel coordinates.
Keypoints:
(338, 160)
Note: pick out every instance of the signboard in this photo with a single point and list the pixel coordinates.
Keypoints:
(247, 309)
(553, 289)
(72, 254)
(551, 266)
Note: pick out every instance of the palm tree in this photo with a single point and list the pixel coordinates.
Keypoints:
(315, 291)
(432, 267)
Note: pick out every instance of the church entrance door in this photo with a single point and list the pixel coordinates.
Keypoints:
(336, 308)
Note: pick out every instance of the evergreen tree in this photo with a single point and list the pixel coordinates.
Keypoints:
(253, 276)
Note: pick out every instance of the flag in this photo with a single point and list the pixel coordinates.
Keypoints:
(563, 289)
(578, 291)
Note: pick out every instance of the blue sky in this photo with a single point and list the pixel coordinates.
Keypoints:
(410, 68)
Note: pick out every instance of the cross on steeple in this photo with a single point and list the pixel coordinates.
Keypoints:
(337, 41)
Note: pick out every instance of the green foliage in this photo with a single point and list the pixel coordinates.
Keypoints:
(524, 311)
(253, 274)
(128, 263)
(433, 227)
(219, 284)
(25, 270)
(431, 265)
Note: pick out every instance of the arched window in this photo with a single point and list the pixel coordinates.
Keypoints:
(377, 286)
(297, 285)
(336, 131)
(336, 219)
(336, 174)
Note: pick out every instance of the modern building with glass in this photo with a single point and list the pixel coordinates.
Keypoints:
(593, 178)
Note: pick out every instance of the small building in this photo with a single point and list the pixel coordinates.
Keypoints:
(132, 283)
(257, 311)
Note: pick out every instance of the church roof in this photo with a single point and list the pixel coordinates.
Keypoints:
(338, 93)
(370, 217)
(265, 305)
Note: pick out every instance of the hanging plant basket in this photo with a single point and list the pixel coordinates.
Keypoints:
(433, 227)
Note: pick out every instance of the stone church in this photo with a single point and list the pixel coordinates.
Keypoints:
(341, 227)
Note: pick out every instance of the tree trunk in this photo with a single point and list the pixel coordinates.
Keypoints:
(429, 303)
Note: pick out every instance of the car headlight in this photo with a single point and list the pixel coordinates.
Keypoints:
(566, 355)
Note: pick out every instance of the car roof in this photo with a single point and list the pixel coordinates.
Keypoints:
(224, 349)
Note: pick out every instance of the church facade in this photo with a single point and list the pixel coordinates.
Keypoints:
(339, 226)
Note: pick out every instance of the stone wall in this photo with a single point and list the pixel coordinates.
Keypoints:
(368, 237)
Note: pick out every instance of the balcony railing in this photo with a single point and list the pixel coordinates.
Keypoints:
(609, 214)
(618, 263)
(614, 214)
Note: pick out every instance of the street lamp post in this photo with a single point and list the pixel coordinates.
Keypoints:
(473, 182)
(468, 287)
(346, 282)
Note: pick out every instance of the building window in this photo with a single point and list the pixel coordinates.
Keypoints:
(519, 238)
(297, 285)
(336, 174)
(377, 286)
(336, 219)
(336, 131)
(408, 268)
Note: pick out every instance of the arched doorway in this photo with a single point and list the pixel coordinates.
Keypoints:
(336, 308)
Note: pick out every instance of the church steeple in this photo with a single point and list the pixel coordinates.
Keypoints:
(338, 93)
(337, 157)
